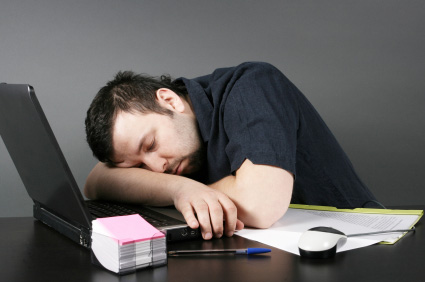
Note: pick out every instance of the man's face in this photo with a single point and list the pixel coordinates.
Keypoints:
(157, 142)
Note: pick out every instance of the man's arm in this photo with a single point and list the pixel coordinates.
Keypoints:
(200, 205)
(126, 185)
(261, 193)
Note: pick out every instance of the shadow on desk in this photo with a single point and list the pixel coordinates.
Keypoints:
(31, 251)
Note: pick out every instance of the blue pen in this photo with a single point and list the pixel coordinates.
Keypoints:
(249, 251)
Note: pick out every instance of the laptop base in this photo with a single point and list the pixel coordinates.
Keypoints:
(81, 235)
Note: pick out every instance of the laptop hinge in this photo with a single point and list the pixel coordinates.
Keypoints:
(80, 235)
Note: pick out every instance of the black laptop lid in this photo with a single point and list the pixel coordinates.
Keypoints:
(37, 155)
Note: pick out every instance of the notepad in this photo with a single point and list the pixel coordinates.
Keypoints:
(285, 233)
(123, 244)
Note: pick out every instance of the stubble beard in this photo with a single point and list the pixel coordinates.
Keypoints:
(189, 131)
(196, 160)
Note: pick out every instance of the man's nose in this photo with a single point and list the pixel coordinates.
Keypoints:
(155, 163)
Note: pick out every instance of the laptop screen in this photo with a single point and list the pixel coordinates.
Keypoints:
(37, 155)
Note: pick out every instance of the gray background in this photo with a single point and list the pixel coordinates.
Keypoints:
(361, 63)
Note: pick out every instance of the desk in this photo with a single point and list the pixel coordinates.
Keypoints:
(31, 251)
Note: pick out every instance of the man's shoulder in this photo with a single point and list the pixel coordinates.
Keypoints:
(250, 66)
(256, 65)
(223, 79)
(225, 74)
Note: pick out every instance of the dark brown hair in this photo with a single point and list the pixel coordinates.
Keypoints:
(129, 92)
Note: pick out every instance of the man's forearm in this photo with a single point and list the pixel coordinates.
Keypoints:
(131, 185)
(245, 202)
(261, 193)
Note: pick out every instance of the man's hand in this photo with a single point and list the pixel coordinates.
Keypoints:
(209, 209)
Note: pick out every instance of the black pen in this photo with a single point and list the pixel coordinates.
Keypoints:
(248, 251)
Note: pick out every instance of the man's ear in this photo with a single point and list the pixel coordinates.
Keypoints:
(170, 100)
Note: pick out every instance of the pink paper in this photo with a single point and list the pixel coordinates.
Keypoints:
(130, 228)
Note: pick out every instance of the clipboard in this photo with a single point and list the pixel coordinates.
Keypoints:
(418, 213)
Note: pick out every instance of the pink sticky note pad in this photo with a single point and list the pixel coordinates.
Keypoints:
(129, 228)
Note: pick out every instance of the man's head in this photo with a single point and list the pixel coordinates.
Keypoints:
(133, 110)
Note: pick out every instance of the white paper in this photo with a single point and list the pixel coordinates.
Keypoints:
(285, 233)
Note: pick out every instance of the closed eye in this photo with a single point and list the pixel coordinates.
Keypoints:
(152, 146)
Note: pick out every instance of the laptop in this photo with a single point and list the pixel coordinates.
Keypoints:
(58, 201)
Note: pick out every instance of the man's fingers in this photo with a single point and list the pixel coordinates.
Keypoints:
(208, 209)
(239, 225)
(230, 215)
(189, 216)
(203, 215)
(216, 217)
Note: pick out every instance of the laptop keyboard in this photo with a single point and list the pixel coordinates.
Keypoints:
(105, 209)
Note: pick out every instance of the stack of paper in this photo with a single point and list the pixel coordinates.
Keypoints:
(123, 244)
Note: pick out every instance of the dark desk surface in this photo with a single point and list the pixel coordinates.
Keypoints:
(31, 251)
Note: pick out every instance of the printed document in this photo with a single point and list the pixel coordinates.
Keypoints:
(285, 233)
